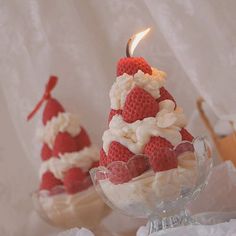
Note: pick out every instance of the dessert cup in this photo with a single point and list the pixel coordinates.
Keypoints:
(60, 209)
(160, 197)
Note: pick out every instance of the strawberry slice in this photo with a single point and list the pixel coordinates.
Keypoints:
(75, 180)
(49, 181)
(163, 159)
(46, 152)
(52, 109)
(64, 143)
(118, 152)
(160, 153)
(165, 95)
(139, 104)
(186, 136)
(82, 140)
(184, 147)
(119, 173)
(138, 165)
(99, 175)
(131, 65)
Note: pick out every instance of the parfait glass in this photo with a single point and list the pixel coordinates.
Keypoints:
(82, 209)
(137, 189)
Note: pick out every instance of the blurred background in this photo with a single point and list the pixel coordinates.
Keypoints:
(194, 42)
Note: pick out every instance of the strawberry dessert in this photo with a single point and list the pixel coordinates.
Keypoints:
(66, 195)
(147, 149)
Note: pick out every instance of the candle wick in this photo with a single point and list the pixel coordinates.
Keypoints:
(128, 48)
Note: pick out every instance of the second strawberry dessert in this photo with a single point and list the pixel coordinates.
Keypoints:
(66, 197)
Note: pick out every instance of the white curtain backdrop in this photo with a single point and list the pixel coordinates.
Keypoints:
(81, 41)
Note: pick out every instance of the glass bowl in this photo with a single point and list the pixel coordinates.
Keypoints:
(82, 209)
(139, 189)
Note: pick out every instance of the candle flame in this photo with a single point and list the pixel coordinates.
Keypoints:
(135, 39)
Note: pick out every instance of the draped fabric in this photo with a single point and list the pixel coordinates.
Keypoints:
(81, 41)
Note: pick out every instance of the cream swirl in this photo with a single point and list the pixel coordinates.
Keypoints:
(167, 124)
(125, 83)
(64, 122)
(82, 159)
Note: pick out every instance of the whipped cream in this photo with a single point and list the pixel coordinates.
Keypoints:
(161, 186)
(82, 159)
(78, 209)
(131, 196)
(125, 83)
(64, 122)
(167, 124)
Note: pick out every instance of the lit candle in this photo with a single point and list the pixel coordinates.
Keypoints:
(131, 65)
(134, 41)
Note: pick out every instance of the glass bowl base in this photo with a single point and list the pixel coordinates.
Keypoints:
(158, 224)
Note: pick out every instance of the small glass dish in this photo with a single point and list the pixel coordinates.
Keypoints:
(159, 196)
(82, 209)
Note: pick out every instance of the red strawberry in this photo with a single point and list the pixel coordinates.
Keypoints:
(163, 159)
(118, 152)
(100, 175)
(165, 95)
(137, 165)
(114, 112)
(76, 180)
(64, 142)
(184, 147)
(119, 173)
(186, 135)
(82, 140)
(154, 144)
(46, 152)
(139, 104)
(49, 181)
(103, 158)
(52, 109)
(131, 65)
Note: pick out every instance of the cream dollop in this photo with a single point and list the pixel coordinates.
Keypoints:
(64, 122)
(125, 83)
(82, 159)
(167, 124)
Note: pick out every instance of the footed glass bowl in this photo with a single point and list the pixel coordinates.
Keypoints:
(156, 187)
(60, 209)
